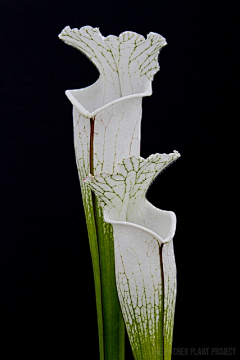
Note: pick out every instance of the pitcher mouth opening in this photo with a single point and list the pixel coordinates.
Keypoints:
(161, 239)
(77, 96)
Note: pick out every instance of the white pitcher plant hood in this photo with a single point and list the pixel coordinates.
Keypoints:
(126, 65)
(144, 259)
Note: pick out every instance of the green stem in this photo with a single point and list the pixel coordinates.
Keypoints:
(111, 328)
(93, 244)
(113, 324)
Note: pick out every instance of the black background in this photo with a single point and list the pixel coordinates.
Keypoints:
(47, 292)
